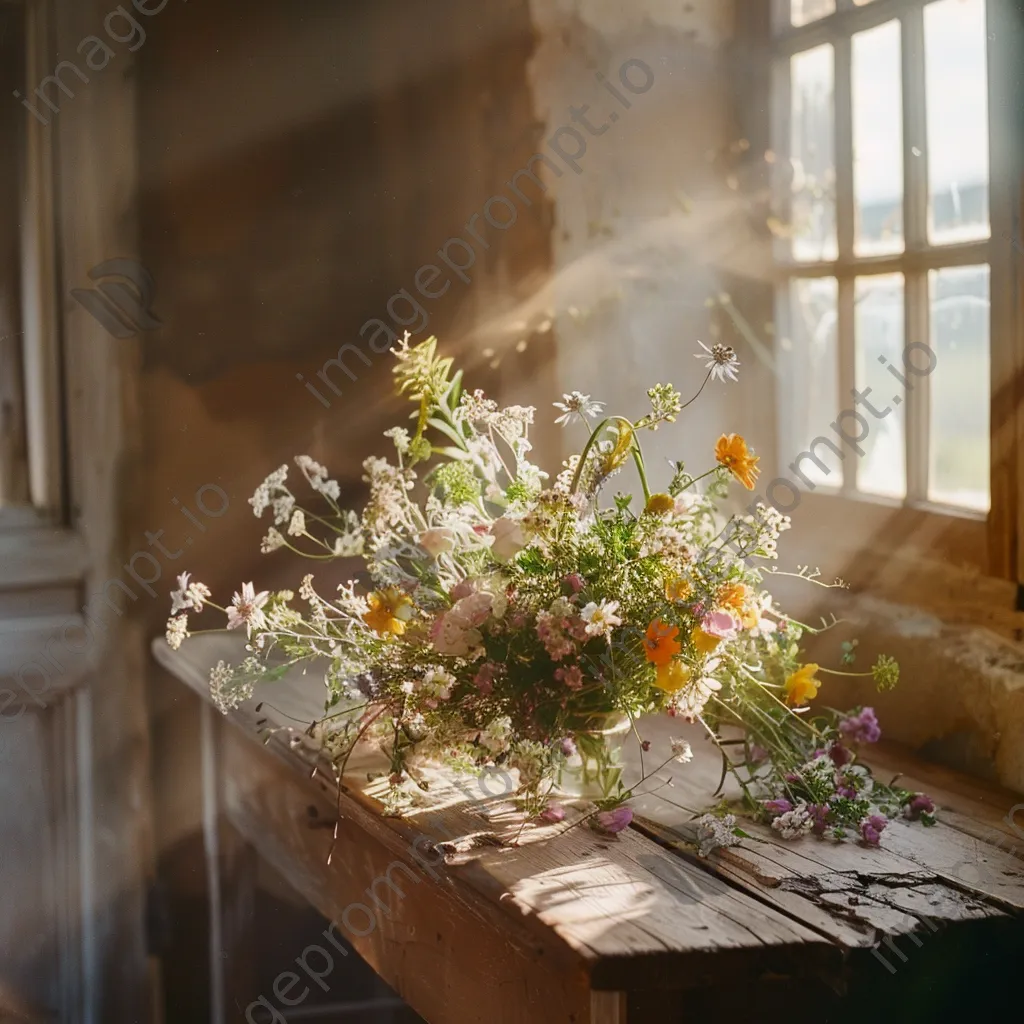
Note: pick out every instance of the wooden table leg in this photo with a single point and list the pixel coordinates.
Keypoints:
(607, 1008)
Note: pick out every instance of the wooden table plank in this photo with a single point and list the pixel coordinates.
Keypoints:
(637, 912)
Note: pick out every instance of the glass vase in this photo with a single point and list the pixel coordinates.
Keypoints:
(594, 771)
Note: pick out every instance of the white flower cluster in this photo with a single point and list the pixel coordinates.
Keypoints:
(714, 832)
(227, 690)
(318, 478)
(271, 488)
(496, 734)
(795, 823)
(388, 494)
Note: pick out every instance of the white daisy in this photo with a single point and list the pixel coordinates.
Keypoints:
(576, 406)
(722, 363)
(180, 598)
(681, 751)
(246, 609)
(601, 618)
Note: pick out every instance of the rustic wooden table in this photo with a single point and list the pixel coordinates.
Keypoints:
(467, 926)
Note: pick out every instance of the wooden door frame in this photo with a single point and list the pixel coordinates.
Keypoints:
(82, 185)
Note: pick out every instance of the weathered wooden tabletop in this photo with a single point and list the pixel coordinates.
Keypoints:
(468, 926)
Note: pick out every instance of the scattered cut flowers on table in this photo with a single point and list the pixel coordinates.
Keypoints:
(508, 620)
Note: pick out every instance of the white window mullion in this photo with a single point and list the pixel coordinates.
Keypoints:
(845, 226)
(847, 370)
(915, 228)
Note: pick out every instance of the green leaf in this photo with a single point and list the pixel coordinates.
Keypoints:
(448, 430)
(455, 391)
(453, 453)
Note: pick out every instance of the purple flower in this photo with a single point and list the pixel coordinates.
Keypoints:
(778, 806)
(552, 813)
(920, 804)
(861, 728)
(819, 815)
(839, 754)
(758, 754)
(792, 778)
(568, 746)
(614, 821)
(871, 828)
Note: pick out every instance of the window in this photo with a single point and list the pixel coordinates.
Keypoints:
(884, 250)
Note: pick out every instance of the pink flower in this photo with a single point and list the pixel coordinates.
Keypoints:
(721, 624)
(778, 806)
(871, 828)
(861, 728)
(614, 821)
(455, 632)
(552, 813)
(550, 632)
(574, 581)
(484, 679)
(509, 538)
(572, 676)
(437, 541)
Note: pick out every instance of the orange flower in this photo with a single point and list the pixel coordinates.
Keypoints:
(390, 609)
(660, 643)
(738, 599)
(672, 677)
(801, 686)
(733, 453)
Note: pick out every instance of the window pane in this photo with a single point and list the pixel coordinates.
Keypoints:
(812, 348)
(14, 489)
(957, 106)
(878, 140)
(803, 11)
(878, 329)
(959, 401)
(812, 154)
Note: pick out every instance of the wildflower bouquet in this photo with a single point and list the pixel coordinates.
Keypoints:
(510, 621)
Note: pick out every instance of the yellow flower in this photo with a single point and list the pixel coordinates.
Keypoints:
(390, 610)
(677, 589)
(704, 642)
(660, 504)
(733, 453)
(801, 686)
(672, 677)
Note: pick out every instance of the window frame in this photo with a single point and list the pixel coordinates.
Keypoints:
(40, 310)
(988, 541)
